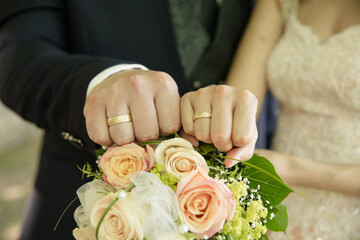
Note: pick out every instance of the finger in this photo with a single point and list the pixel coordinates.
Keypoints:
(233, 153)
(201, 103)
(121, 133)
(187, 114)
(221, 120)
(241, 153)
(96, 124)
(167, 103)
(190, 138)
(244, 119)
(145, 122)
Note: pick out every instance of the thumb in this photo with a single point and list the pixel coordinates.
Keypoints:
(233, 153)
(241, 154)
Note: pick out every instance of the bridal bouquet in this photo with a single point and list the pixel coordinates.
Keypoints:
(165, 190)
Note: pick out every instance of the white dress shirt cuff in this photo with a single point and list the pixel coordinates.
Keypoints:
(109, 71)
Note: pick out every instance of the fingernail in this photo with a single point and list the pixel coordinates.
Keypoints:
(235, 153)
(229, 163)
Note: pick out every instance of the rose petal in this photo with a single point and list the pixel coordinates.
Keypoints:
(204, 203)
(119, 163)
(164, 145)
(151, 153)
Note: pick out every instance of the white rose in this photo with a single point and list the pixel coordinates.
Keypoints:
(122, 221)
(179, 157)
(80, 234)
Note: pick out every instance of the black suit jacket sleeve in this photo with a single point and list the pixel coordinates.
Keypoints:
(39, 77)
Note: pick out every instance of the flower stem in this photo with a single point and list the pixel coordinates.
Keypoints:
(129, 187)
(64, 213)
(149, 142)
(108, 209)
(103, 216)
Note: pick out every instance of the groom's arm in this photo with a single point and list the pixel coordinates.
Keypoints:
(46, 85)
(39, 79)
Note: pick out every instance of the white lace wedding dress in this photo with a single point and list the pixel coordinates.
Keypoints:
(318, 86)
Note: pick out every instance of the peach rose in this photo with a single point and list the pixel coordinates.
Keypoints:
(204, 203)
(119, 163)
(179, 157)
(122, 221)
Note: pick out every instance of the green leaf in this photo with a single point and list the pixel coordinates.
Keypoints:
(280, 220)
(206, 148)
(261, 172)
(264, 237)
(100, 152)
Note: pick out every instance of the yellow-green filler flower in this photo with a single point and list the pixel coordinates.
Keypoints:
(166, 178)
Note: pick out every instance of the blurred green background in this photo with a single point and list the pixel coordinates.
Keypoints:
(19, 150)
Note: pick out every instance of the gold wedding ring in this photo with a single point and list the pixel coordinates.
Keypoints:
(119, 119)
(202, 115)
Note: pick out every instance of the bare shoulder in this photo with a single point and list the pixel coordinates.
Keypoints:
(274, 6)
(277, 3)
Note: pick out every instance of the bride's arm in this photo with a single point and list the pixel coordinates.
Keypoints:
(249, 64)
(297, 171)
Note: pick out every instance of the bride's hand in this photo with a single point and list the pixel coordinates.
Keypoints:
(232, 125)
(298, 171)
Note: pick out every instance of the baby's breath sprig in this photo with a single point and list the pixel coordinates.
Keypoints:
(89, 172)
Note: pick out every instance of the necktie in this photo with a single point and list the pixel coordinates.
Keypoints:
(207, 35)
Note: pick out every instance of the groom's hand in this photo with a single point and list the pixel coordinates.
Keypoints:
(232, 124)
(150, 97)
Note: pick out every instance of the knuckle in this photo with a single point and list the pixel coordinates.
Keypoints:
(201, 92)
(91, 100)
(247, 97)
(137, 83)
(203, 137)
(187, 129)
(101, 140)
(86, 110)
(121, 140)
(241, 141)
(220, 139)
(112, 90)
(166, 81)
(186, 97)
(162, 75)
(222, 91)
(121, 136)
(256, 135)
(147, 137)
(222, 142)
(223, 147)
(171, 129)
